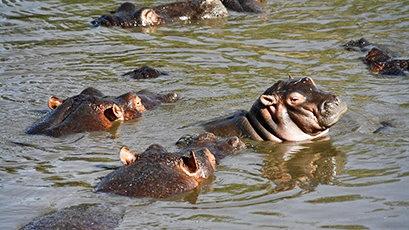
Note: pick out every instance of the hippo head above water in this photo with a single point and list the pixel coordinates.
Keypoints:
(157, 173)
(128, 15)
(88, 111)
(292, 110)
(301, 109)
(220, 147)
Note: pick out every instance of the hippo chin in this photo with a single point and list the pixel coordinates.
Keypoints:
(379, 59)
(128, 15)
(92, 111)
(292, 110)
(157, 173)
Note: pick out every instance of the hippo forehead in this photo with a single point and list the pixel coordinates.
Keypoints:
(95, 102)
(83, 103)
(96, 98)
(158, 154)
(92, 92)
(304, 86)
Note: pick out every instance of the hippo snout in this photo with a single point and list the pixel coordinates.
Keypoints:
(331, 111)
(170, 97)
(329, 105)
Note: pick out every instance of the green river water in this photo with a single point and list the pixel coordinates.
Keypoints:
(356, 180)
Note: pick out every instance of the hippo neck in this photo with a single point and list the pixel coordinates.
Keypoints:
(275, 124)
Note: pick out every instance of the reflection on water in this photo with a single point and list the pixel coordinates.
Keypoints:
(357, 179)
(304, 166)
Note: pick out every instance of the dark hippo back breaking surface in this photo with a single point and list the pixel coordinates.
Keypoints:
(379, 58)
(79, 217)
(129, 15)
(357, 179)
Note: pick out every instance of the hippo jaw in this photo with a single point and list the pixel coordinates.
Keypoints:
(199, 164)
(132, 106)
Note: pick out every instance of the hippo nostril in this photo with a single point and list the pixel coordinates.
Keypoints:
(327, 106)
(335, 101)
(234, 142)
(323, 107)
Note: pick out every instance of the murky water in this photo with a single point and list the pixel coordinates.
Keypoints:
(358, 179)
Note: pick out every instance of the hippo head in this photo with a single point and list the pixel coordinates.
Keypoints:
(158, 173)
(376, 55)
(88, 111)
(128, 15)
(220, 147)
(197, 164)
(357, 45)
(296, 110)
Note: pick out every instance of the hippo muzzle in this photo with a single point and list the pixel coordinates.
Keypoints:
(331, 111)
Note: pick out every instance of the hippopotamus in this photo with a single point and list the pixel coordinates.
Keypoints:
(144, 72)
(128, 15)
(379, 59)
(157, 173)
(93, 111)
(80, 217)
(220, 147)
(243, 5)
(291, 110)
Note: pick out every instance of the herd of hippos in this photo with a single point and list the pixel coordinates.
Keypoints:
(290, 110)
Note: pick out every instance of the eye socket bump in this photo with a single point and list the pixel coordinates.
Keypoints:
(295, 98)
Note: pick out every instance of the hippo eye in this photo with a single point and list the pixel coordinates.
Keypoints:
(295, 98)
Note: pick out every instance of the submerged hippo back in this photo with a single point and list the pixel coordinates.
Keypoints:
(80, 217)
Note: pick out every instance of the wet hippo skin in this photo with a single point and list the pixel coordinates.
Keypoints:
(80, 217)
(145, 72)
(379, 59)
(128, 15)
(243, 5)
(292, 110)
(157, 173)
(92, 111)
(220, 147)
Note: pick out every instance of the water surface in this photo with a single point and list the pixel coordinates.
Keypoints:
(356, 180)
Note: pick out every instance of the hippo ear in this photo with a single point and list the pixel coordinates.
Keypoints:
(127, 156)
(54, 102)
(189, 164)
(268, 100)
(150, 18)
(114, 113)
(137, 104)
